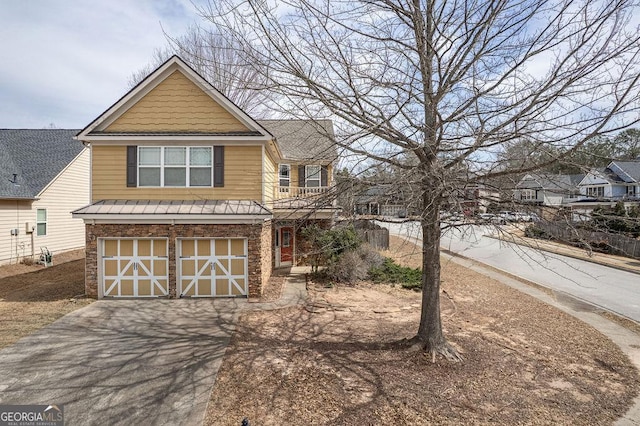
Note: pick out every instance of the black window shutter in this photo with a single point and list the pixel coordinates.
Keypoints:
(132, 166)
(218, 166)
(301, 177)
(324, 176)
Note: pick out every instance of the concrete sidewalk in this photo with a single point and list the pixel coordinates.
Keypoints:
(612, 261)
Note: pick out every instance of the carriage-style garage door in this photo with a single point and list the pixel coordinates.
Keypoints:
(212, 267)
(135, 268)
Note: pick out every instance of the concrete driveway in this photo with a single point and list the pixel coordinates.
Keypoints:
(124, 362)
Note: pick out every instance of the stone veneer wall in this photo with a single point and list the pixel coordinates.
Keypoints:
(267, 252)
(258, 247)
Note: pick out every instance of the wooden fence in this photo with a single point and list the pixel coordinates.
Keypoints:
(611, 243)
(376, 238)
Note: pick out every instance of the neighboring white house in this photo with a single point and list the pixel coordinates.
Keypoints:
(44, 175)
(548, 189)
(620, 180)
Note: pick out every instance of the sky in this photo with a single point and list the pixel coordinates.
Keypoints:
(64, 62)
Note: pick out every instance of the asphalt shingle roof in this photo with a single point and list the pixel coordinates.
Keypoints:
(551, 182)
(304, 140)
(35, 156)
(632, 168)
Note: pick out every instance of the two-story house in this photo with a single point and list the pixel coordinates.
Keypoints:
(192, 197)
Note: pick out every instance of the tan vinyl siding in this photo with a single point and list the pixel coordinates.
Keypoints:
(242, 177)
(293, 175)
(270, 179)
(176, 104)
(69, 191)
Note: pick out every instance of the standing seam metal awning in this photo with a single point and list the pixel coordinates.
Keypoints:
(174, 208)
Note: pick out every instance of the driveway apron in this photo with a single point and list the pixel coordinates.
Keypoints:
(124, 362)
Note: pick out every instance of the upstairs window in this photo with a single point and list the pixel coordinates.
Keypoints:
(285, 175)
(312, 176)
(175, 166)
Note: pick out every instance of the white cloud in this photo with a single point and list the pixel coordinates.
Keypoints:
(66, 62)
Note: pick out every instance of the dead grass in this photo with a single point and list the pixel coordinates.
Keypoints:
(336, 361)
(32, 296)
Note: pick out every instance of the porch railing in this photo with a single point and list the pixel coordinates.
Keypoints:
(296, 192)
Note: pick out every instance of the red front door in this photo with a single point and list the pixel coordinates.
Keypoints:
(286, 245)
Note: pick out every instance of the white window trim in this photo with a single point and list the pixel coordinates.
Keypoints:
(162, 167)
(528, 194)
(287, 178)
(45, 222)
(307, 179)
(595, 191)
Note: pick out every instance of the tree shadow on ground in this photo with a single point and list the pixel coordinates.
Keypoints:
(123, 362)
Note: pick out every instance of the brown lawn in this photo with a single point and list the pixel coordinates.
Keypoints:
(336, 361)
(32, 296)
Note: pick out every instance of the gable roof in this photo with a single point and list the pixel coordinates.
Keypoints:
(631, 168)
(97, 127)
(36, 157)
(550, 182)
(304, 140)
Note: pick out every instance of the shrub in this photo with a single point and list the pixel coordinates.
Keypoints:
(353, 265)
(329, 244)
(391, 272)
(535, 232)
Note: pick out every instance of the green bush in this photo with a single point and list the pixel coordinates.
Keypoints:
(391, 272)
(328, 245)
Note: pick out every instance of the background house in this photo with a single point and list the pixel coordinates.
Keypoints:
(620, 180)
(581, 194)
(44, 175)
(548, 189)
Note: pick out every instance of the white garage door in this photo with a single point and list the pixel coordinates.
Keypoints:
(135, 268)
(212, 267)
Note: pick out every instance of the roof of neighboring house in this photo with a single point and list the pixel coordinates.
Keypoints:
(36, 157)
(175, 207)
(304, 140)
(631, 168)
(607, 174)
(550, 182)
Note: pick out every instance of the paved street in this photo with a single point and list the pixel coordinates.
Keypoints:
(615, 290)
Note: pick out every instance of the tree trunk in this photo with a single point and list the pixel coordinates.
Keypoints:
(430, 336)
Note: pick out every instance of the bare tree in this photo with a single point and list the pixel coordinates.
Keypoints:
(219, 60)
(448, 83)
